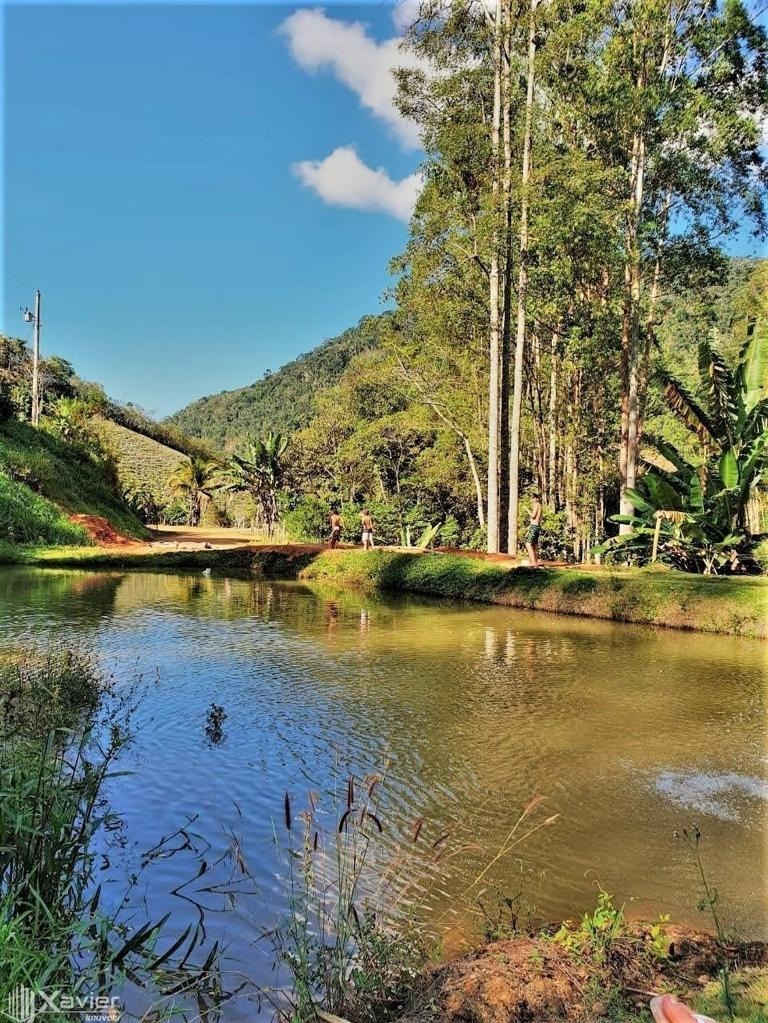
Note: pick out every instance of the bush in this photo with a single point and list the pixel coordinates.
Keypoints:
(556, 542)
(450, 532)
(307, 520)
(175, 514)
(7, 410)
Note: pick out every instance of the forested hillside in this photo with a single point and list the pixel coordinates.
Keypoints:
(282, 400)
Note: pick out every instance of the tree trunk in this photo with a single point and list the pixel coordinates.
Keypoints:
(522, 287)
(476, 480)
(497, 367)
(631, 354)
(552, 425)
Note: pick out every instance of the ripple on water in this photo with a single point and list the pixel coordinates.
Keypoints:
(626, 731)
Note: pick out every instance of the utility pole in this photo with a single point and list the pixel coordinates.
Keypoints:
(34, 319)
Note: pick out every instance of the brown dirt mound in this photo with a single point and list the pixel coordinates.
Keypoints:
(101, 531)
(537, 980)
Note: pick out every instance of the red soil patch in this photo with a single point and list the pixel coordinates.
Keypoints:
(101, 531)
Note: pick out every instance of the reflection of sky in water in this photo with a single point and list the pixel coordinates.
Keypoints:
(721, 795)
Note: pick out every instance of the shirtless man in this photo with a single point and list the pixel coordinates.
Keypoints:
(336, 524)
(534, 531)
(367, 523)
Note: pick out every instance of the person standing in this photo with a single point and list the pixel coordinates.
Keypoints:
(367, 523)
(336, 524)
(534, 530)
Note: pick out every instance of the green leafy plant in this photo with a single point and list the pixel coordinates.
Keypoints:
(259, 471)
(708, 904)
(194, 481)
(693, 515)
(729, 417)
(598, 930)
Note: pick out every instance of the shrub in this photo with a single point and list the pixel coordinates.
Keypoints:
(307, 520)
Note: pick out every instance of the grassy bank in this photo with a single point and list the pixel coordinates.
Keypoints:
(44, 479)
(725, 604)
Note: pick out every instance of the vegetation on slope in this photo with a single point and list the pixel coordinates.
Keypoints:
(44, 478)
(28, 518)
(90, 456)
(144, 464)
(282, 401)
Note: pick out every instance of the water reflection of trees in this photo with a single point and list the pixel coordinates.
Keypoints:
(62, 595)
(483, 707)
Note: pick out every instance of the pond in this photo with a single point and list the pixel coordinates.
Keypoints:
(630, 733)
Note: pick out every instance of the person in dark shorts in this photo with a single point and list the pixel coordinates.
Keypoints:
(534, 530)
(336, 525)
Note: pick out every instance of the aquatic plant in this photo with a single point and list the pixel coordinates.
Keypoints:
(349, 939)
(62, 728)
(708, 904)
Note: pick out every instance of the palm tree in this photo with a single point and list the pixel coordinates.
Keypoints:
(259, 471)
(730, 418)
(194, 480)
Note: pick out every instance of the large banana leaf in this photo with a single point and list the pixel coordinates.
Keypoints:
(669, 452)
(639, 503)
(756, 421)
(695, 495)
(685, 405)
(662, 494)
(753, 363)
(752, 463)
(629, 520)
(728, 467)
(720, 387)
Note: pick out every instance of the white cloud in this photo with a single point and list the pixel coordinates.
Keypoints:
(404, 13)
(342, 179)
(320, 43)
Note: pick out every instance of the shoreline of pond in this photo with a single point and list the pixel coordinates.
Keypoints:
(575, 972)
(652, 596)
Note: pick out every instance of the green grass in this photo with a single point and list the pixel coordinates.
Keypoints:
(750, 993)
(26, 517)
(46, 479)
(674, 599)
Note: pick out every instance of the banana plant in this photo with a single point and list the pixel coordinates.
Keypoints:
(729, 416)
(672, 523)
(259, 471)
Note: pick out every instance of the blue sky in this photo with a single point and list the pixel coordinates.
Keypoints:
(162, 170)
(201, 192)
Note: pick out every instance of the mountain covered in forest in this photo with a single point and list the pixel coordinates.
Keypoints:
(281, 401)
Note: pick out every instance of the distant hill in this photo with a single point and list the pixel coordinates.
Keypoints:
(280, 401)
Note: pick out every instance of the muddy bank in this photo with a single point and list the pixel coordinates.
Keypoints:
(540, 980)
